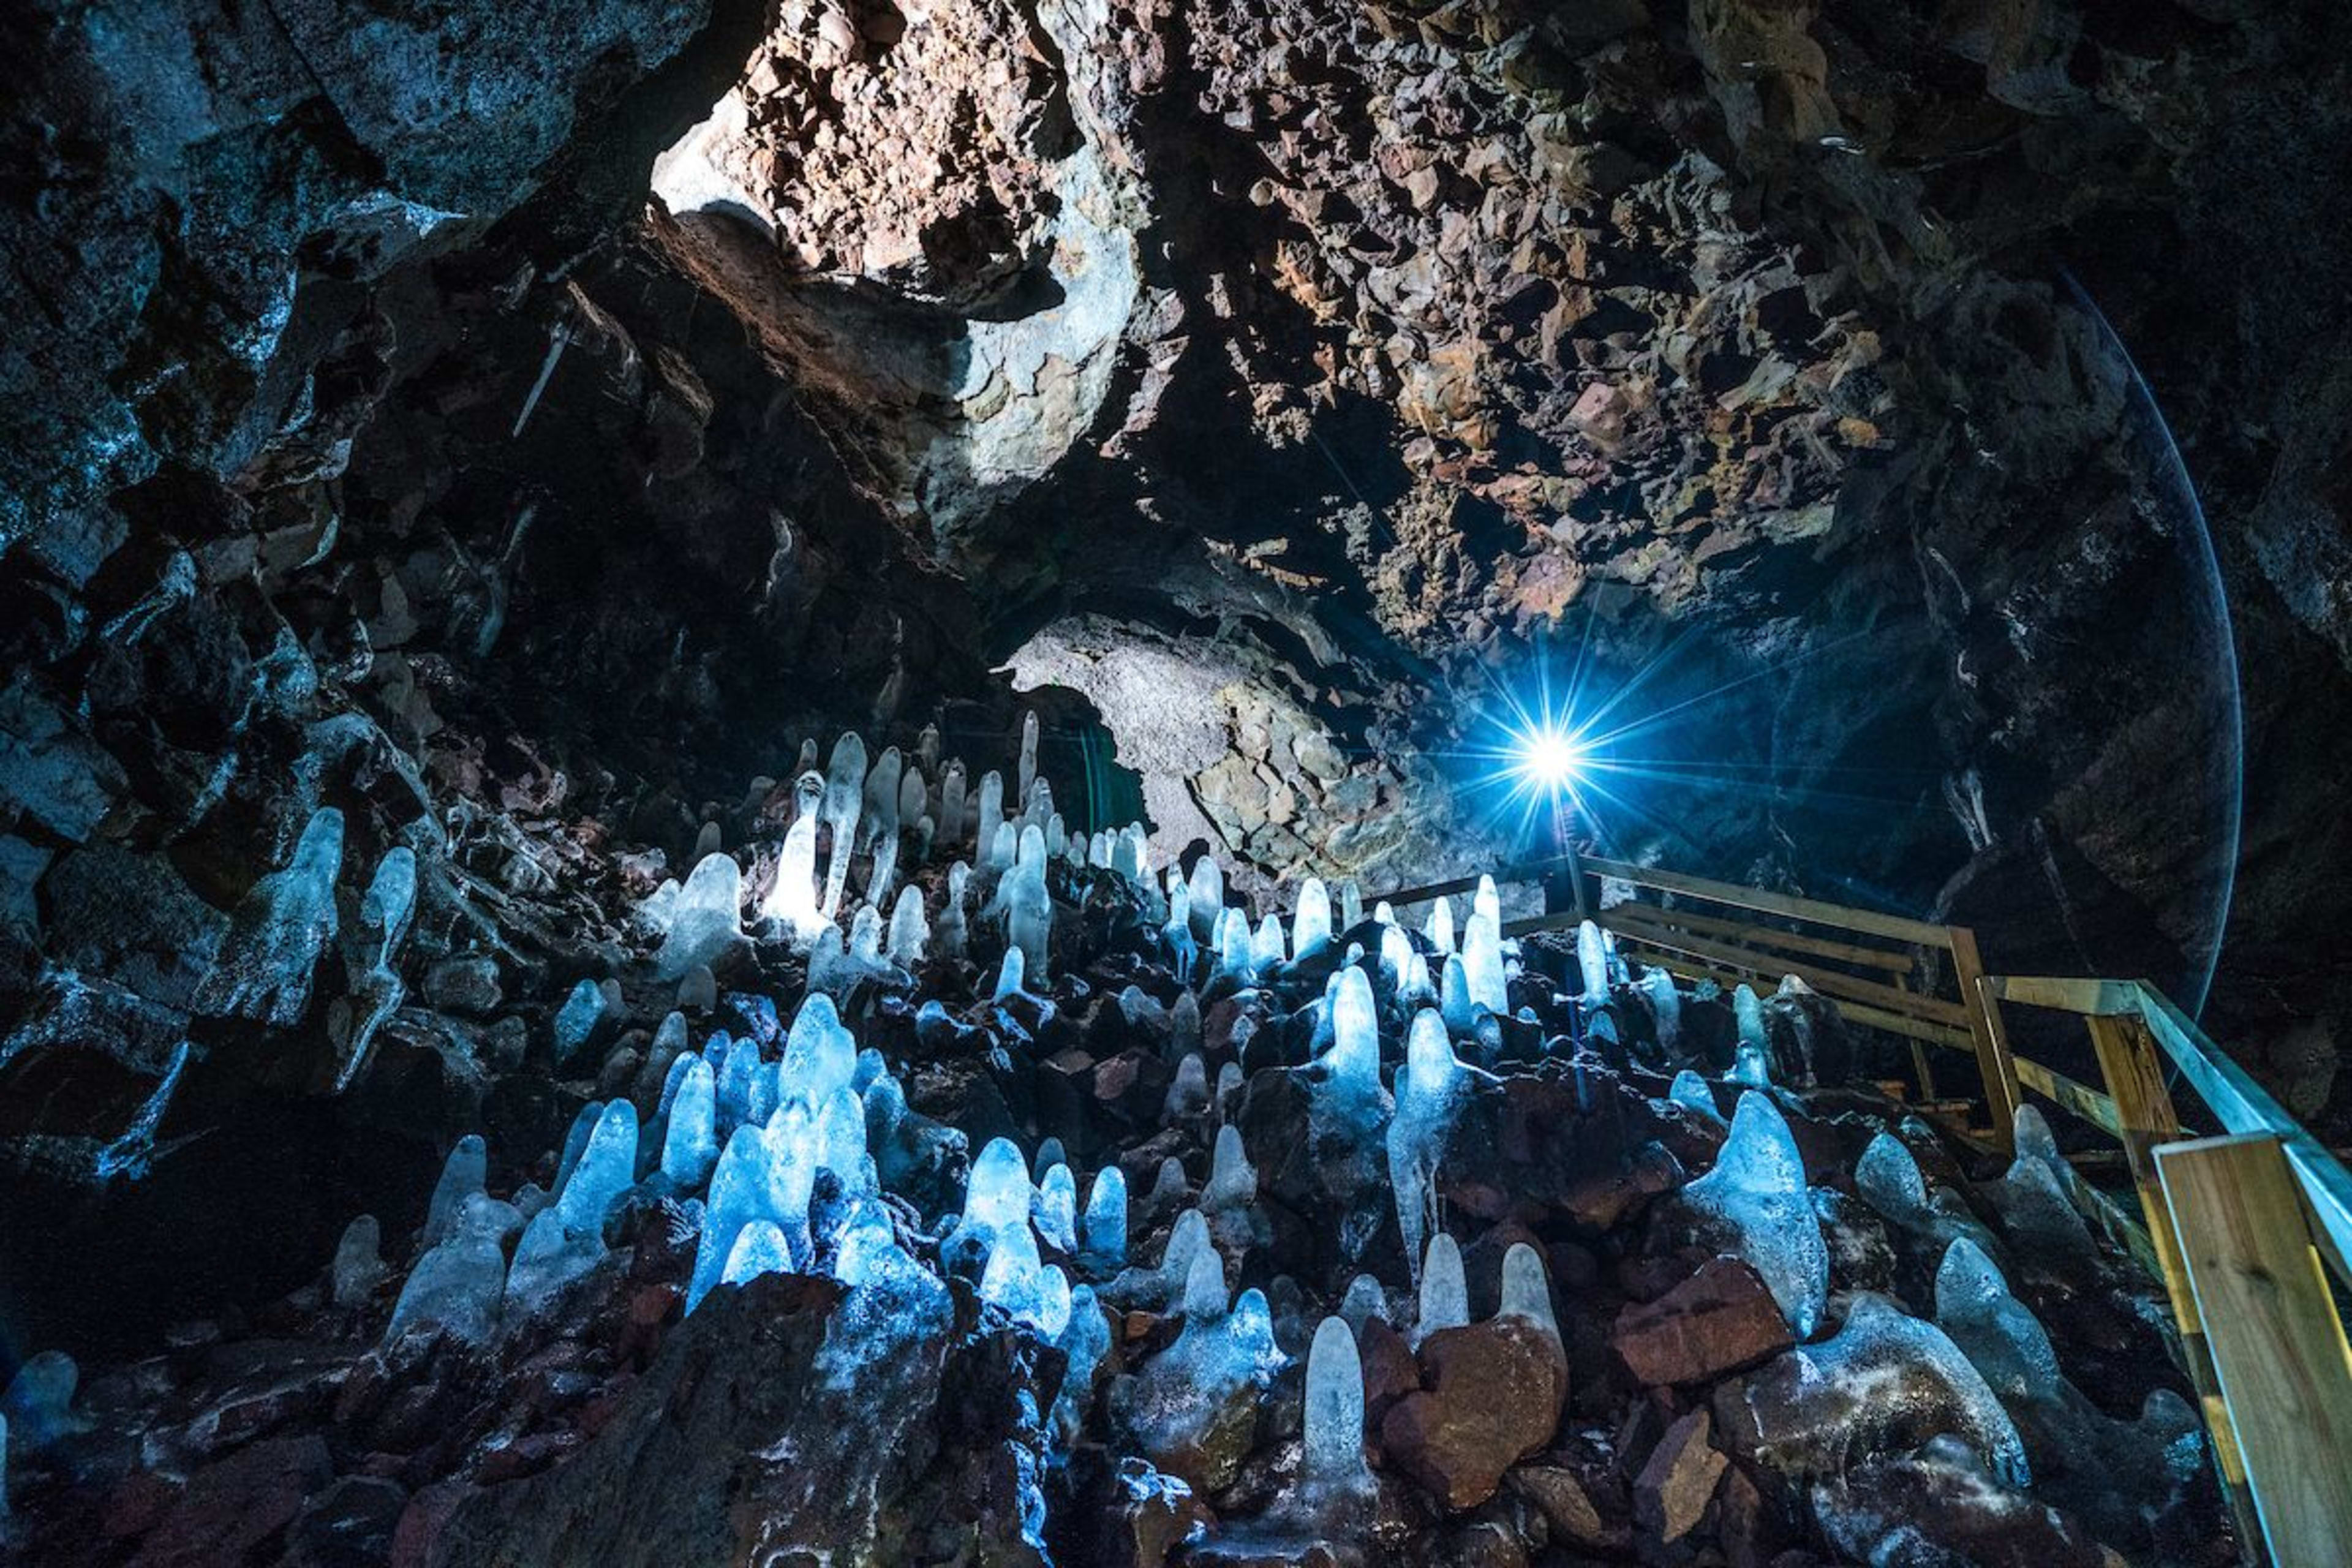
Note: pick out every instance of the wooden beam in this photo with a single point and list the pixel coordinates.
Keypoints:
(1993, 1061)
(2278, 1345)
(1947, 1036)
(2134, 1074)
(2079, 1098)
(1829, 981)
(1766, 937)
(2065, 993)
(1787, 905)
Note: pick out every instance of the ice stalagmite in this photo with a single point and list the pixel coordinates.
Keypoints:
(949, 933)
(1207, 887)
(1445, 1291)
(1009, 976)
(1353, 1061)
(1332, 1470)
(992, 812)
(1482, 964)
(739, 1194)
(1428, 1093)
(1667, 1007)
(1104, 1231)
(1351, 905)
(577, 1020)
(1592, 962)
(359, 1266)
(792, 897)
(761, 1247)
(1054, 1208)
(1182, 949)
(1028, 908)
(951, 806)
(1997, 1333)
(1233, 1180)
(1440, 931)
(1266, 949)
(1690, 1091)
(914, 799)
(1887, 1176)
(1527, 1289)
(909, 932)
(457, 1287)
(1396, 954)
(1084, 1341)
(820, 1055)
(1028, 754)
(1310, 924)
(1188, 1093)
(1747, 1012)
(462, 1175)
(1363, 1301)
(278, 931)
(1453, 996)
(1758, 1190)
(879, 824)
(691, 1142)
(845, 796)
(1235, 949)
(708, 922)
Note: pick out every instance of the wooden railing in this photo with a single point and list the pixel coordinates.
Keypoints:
(2242, 1229)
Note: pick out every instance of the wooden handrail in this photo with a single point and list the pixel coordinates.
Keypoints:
(1788, 906)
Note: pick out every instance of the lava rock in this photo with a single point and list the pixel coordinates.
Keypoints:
(1721, 1319)
(1492, 1394)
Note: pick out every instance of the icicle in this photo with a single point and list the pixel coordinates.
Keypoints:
(1428, 1092)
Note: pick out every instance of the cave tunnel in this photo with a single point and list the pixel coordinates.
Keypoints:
(1338, 781)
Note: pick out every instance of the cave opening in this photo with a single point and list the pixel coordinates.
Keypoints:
(1213, 784)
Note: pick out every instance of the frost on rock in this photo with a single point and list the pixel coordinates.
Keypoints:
(271, 953)
(1885, 1381)
(707, 923)
(1208, 1380)
(1332, 1469)
(1757, 1190)
(459, 1285)
(1444, 1290)
(1428, 1096)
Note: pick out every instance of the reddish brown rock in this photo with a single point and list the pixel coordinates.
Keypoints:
(1491, 1395)
(229, 1508)
(1721, 1319)
(1673, 1491)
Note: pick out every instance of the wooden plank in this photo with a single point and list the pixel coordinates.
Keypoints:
(2065, 993)
(1993, 1062)
(2242, 1105)
(1947, 1036)
(1813, 910)
(2134, 1074)
(2079, 1098)
(1829, 981)
(2278, 1345)
(1766, 937)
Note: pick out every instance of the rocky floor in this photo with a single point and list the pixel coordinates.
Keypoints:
(1184, 1240)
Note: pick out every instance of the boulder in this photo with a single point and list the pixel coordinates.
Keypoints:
(1721, 1319)
(1491, 1395)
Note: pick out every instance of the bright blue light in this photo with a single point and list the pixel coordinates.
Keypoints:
(1549, 758)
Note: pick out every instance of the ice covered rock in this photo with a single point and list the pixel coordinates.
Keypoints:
(271, 953)
(1756, 1191)
(1194, 1407)
(1884, 1383)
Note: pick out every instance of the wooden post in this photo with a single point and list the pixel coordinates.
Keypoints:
(2134, 1073)
(1993, 1065)
(2278, 1346)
